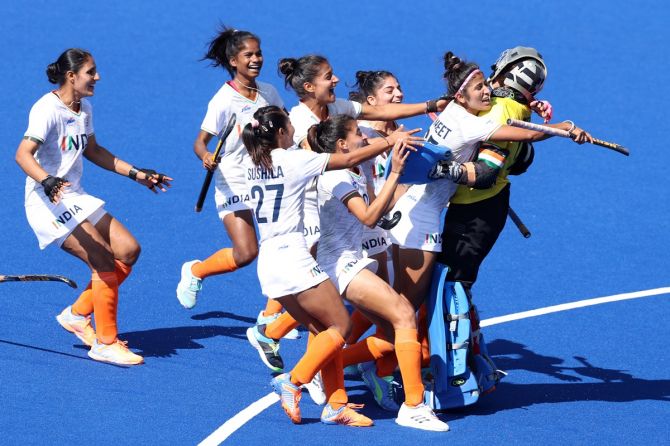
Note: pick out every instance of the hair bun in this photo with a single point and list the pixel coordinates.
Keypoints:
(287, 66)
(52, 72)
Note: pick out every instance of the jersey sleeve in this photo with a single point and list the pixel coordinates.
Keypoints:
(311, 164)
(338, 183)
(479, 128)
(40, 121)
(216, 117)
(346, 107)
(273, 97)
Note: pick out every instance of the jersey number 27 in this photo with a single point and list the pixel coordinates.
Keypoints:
(257, 191)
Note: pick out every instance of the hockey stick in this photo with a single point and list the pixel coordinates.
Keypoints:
(217, 158)
(512, 215)
(566, 134)
(38, 278)
(517, 221)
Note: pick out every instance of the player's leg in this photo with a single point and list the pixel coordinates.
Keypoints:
(87, 244)
(240, 228)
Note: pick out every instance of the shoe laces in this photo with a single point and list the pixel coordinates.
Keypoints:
(196, 284)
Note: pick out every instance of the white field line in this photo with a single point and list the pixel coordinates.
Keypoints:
(241, 418)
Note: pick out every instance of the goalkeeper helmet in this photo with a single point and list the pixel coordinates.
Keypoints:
(522, 68)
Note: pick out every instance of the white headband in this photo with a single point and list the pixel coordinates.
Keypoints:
(467, 79)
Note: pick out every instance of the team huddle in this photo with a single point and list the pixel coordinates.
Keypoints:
(329, 197)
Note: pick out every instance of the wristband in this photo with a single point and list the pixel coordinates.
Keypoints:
(431, 106)
(572, 125)
(132, 174)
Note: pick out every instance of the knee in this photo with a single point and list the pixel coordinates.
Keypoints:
(244, 255)
(132, 253)
(405, 315)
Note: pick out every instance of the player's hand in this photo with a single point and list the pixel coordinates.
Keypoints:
(153, 180)
(400, 134)
(543, 109)
(401, 151)
(53, 187)
(580, 136)
(208, 161)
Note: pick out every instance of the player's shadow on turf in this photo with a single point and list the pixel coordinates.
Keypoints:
(613, 386)
(227, 315)
(166, 342)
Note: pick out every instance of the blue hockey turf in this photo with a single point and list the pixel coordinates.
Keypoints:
(599, 221)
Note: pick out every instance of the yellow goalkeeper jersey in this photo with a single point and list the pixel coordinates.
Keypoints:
(502, 109)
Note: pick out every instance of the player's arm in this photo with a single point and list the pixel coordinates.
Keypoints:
(370, 215)
(478, 174)
(25, 158)
(200, 150)
(102, 157)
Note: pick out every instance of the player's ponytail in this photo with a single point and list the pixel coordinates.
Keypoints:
(323, 137)
(456, 73)
(70, 60)
(260, 135)
(297, 72)
(226, 45)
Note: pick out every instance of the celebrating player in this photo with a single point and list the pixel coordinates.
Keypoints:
(287, 271)
(459, 128)
(344, 211)
(60, 131)
(239, 52)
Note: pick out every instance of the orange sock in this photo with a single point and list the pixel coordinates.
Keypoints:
(84, 304)
(319, 351)
(220, 262)
(368, 349)
(272, 307)
(408, 351)
(422, 324)
(333, 381)
(278, 328)
(359, 325)
(105, 299)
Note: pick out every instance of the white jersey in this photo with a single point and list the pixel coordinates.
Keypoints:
(340, 252)
(278, 195)
(374, 168)
(341, 231)
(302, 117)
(63, 135)
(230, 191)
(461, 132)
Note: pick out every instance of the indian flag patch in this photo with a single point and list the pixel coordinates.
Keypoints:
(491, 158)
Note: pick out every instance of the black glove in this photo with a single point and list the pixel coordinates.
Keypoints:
(52, 186)
(389, 223)
(448, 169)
(150, 172)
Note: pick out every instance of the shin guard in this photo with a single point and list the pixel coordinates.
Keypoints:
(452, 384)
